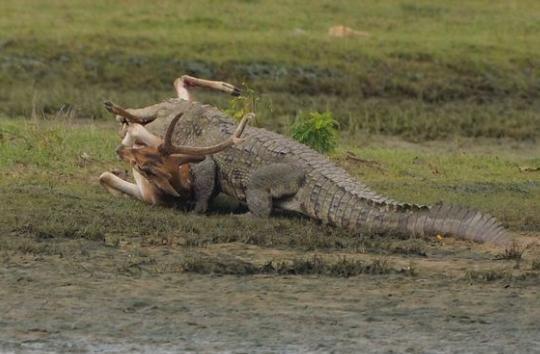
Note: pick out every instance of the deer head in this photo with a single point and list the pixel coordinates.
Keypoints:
(166, 166)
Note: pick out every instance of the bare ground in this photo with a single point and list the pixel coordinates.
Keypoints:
(136, 297)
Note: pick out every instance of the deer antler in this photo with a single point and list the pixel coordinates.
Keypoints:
(168, 148)
(115, 109)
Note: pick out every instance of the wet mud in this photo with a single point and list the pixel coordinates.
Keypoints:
(134, 297)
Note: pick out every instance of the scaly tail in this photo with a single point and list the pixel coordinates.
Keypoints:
(459, 222)
(365, 215)
(329, 194)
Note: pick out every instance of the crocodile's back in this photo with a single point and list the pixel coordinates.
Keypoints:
(325, 183)
(236, 164)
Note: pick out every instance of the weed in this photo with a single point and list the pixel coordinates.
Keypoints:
(410, 270)
(315, 265)
(487, 275)
(535, 265)
(221, 265)
(492, 275)
(421, 10)
(29, 245)
(412, 247)
(242, 105)
(514, 252)
(317, 130)
(53, 200)
(342, 268)
(51, 195)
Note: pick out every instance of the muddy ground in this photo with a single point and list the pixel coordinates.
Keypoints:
(135, 296)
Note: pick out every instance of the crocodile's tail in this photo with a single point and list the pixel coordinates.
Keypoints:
(444, 220)
(366, 215)
(332, 196)
(448, 220)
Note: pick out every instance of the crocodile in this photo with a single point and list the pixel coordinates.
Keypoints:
(270, 172)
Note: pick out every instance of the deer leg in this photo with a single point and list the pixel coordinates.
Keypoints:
(136, 134)
(117, 186)
(143, 190)
(185, 82)
(142, 116)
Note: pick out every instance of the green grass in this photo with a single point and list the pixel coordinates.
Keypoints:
(316, 130)
(49, 188)
(428, 69)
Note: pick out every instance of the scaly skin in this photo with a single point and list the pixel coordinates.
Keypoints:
(270, 171)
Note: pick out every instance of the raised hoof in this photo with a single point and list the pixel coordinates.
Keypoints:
(236, 92)
(109, 106)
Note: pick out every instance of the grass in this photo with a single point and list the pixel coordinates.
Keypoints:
(514, 252)
(428, 70)
(315, 265)
(499, 275)
(535, 265)
(50, 169)
(55, 210)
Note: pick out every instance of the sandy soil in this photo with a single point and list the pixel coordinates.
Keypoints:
(135, 298)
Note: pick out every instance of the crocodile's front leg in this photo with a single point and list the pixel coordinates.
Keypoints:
(204, 184)
(269, 184)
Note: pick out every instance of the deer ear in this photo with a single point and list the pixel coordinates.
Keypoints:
(160, 178)
(185, 176)
(126, 154)
(164, 185)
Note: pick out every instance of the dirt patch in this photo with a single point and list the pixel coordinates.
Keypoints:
(91, 296)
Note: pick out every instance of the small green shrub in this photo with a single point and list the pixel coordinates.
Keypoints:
(242, 105)
(317, 130)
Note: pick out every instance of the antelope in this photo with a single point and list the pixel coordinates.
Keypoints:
(163, 171)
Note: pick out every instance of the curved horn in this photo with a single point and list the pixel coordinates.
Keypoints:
(242, 125)
(167, 147)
